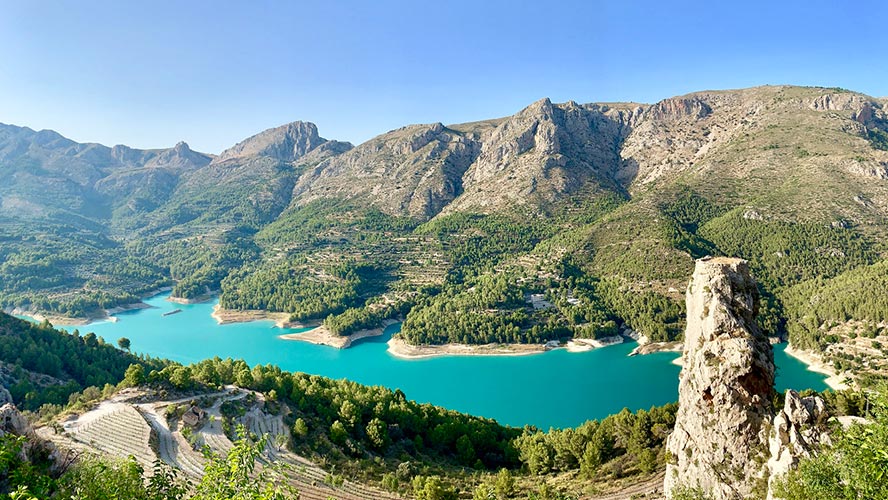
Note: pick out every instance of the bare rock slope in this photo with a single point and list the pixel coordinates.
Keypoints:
(414, 171)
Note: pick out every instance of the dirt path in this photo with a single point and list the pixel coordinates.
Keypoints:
(652, 488)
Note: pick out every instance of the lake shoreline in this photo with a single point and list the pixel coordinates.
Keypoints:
(652, 347)
(104, 315)
(584, 345)
(57, 320)
(200, 299)
(281, 320)
(815, 363)
(515, 390)
(320, 335)
(401, 349)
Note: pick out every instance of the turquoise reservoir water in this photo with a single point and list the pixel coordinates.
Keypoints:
(554, 389)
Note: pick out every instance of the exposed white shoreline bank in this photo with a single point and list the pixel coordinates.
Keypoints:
(401, 349)
(816, 363)
(322, 336)
(105, 315)
(584, 345)
(281, 320)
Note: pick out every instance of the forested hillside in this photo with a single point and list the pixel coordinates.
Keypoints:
(43, 366)
(373, 433)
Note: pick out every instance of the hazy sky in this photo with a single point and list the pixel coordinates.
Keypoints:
(151, 73)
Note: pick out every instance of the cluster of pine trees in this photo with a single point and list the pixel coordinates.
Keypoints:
(296, 288)
(622, 441)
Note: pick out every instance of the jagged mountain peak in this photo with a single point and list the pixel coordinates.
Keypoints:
(287, 142)
(543, 152)
(540, 105)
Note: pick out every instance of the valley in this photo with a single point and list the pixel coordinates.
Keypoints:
(596, 209)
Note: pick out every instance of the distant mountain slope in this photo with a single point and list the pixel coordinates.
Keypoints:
(249, 183)
(414, 171)
(773, 146)
(48, 173)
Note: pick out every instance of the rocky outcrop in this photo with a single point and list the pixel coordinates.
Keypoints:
(12, 421)
(545, 152)
(798, 431)
(285, 143)
(728, 441)
(866, 168)
(33, 448)
(677, 108)
(5, 396)
(725, 388)
(839, 101)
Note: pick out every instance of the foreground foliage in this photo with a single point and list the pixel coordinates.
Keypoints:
(855, 468)
(232, 476)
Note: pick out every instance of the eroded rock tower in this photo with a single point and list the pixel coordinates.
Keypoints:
(720, 441)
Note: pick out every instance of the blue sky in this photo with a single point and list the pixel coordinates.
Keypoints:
(151, 73)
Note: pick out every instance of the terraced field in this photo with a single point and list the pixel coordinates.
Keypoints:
(301, 473)
(122, 433)
(123, 429)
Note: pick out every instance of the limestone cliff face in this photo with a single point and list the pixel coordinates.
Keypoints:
(679, 135)
(413, 171)
(725, 388)
(545, 152)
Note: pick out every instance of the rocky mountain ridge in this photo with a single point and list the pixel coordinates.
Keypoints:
(535, 157)
(550, 151)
